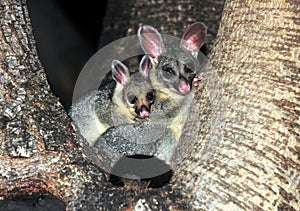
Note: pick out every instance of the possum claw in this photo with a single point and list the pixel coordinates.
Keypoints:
(197, 81)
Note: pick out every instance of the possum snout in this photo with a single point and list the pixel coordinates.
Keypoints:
(143, 109)
(144, 112)
(184, 89)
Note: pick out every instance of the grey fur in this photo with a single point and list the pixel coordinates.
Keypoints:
(102, 107)
(158, 135)
(145, 138)
(107, 107)
(175, 66)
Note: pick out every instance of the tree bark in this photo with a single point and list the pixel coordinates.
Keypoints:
(39, 150)
(244, 157)
(171, 17)
(254, 162)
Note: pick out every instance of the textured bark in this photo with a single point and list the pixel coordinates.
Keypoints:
(250, 162)
(172, 17)
(255, 164)
(39, 151)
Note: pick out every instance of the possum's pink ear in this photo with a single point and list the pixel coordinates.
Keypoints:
(194, 37)
(151, 41)
(145, 66)
(120, 72)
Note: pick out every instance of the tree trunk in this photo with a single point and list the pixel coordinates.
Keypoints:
(246, 157)
(39, 150)
(253, 163)
(124, 17)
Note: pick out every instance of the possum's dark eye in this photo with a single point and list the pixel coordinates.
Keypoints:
(188, 70)
(132, 99)
(168, 73)
(150, 96)
(168, 69)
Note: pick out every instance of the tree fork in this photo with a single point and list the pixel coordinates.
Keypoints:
(254, 166)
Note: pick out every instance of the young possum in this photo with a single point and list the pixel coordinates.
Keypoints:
(175, 67)
(133, 94)
(126, 99)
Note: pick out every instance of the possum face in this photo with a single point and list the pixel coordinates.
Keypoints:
(175, 66)
(135, 91)
(139, 95)
(177, 70)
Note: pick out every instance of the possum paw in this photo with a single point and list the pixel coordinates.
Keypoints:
(197, 81)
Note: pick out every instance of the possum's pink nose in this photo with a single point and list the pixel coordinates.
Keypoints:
(144, 113)
(184, 88)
